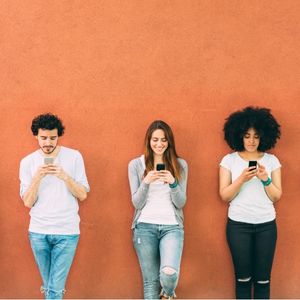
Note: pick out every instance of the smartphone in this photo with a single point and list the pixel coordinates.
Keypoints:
(160, 167)
(48, 160)
(252, 164)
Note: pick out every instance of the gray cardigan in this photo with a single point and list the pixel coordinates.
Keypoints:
(139, 189)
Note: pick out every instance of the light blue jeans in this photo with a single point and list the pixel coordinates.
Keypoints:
(54, 255)
(159, 249)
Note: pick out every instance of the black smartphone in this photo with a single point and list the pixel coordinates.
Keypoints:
(252, 164)
(160, 167)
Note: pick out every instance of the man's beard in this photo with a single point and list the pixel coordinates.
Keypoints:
(49, 149)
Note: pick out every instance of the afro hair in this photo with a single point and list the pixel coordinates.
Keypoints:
(260, 119)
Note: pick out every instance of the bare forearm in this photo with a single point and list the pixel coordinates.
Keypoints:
(75, 188)
(273, 192)
(229, 192)
(30, 196)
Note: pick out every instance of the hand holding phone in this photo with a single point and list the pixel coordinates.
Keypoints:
(249, 172)
(252, 164)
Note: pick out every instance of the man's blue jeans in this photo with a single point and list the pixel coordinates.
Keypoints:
(54, 255)
(159, 247)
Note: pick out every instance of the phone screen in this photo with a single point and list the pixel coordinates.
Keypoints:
(48, 160)
(252, 163)
(160, 167)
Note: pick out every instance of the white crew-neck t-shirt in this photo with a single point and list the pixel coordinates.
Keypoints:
(159, 208)
(56, 209)
(251, 204)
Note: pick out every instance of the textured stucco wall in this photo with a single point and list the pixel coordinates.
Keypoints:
(109, 68)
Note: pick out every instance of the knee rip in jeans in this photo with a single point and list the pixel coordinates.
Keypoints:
(263, 281)
(168, 271)
(244, 279)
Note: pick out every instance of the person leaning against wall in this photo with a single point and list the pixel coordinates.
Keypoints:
(158, 182)
(250, 181)
(52, 179)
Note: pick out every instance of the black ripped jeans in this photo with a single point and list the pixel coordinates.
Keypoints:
(252, 249)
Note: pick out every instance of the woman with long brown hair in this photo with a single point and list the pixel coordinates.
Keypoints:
(158, 181)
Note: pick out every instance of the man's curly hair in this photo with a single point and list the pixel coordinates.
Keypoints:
(47, 121)
(260, 119)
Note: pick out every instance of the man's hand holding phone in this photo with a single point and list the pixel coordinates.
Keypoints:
(44, 169)
(57, 171)
(49, 168)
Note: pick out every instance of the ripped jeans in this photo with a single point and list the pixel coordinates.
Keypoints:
(54, 255)
(252, 249)
(159, 249)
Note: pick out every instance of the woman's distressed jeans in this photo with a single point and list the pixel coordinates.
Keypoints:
(159, 247)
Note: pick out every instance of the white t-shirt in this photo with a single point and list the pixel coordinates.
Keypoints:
(159, 207)
(251, 204)
(56, 209)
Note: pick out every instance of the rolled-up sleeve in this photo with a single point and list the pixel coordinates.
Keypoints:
(24, 176)
(80, 175)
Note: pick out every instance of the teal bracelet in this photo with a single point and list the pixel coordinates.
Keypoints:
(267, 182)
(173, 185)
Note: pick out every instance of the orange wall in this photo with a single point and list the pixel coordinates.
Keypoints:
(108, 68)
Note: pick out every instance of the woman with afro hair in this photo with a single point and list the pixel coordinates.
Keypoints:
(250, 181)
